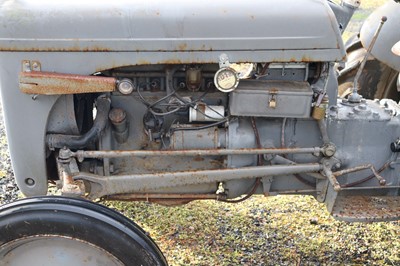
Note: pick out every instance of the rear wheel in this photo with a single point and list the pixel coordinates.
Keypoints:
(64, 231)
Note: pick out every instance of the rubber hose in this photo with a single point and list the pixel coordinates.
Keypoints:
(79, 142)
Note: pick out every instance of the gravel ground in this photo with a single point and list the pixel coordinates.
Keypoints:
(8, 188)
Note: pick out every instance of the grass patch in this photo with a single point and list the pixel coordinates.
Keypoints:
(283, 230)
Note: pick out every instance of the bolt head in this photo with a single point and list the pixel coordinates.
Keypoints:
(362, 107)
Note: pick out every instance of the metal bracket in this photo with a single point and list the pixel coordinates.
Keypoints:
(224, 61)
(34, 81)
(352, 3)
(272, 100)
(67, 166)
(328, 164)
(267, 182)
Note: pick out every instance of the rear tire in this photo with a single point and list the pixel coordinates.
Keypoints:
(65, 231)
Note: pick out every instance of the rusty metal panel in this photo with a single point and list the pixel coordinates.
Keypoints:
(49, 83)
(367, 208)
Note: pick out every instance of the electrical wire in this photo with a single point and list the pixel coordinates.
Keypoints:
(184, 103)
(297, 176)
(200, 127)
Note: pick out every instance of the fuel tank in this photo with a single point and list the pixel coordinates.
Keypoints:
(276, 30)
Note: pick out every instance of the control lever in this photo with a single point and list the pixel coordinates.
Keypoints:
(355, 97)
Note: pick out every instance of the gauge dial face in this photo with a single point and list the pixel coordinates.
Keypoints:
(226, 79)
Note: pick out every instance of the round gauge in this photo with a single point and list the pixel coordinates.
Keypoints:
(226, 79)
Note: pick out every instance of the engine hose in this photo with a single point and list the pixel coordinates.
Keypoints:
(79, 142)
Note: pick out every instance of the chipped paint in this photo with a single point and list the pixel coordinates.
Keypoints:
(49, 83)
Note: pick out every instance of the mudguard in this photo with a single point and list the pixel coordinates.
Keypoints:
(388, 36)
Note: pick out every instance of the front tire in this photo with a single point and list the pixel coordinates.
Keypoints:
(65, 231)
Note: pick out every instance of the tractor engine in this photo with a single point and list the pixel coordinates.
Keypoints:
(181, 101)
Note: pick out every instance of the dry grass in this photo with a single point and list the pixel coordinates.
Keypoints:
(282, 230)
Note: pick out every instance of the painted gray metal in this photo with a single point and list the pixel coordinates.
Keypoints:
(55, 250)
(277, 30)
(192, 152)
(94, 36)
(103, 185)
(389, 34)
(99, 36)
(255, 98)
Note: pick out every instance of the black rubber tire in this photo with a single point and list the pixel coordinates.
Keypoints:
(79, 219)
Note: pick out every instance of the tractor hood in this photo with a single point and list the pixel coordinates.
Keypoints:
(282, 30)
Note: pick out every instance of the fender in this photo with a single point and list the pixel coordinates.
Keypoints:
(388, 36)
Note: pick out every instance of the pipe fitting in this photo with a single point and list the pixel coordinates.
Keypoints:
(59, 141)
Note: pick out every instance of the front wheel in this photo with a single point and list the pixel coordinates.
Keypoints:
(64, 231)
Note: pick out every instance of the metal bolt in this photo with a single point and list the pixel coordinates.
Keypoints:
(126, 86)
(334, 108)
(117, 115)
(375, 115)
(351, 114)
(29, 181)
(338, 165)
(223, 57)
(182, 85)
(362, 107)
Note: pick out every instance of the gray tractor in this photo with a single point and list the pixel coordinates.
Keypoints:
(176, 101)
